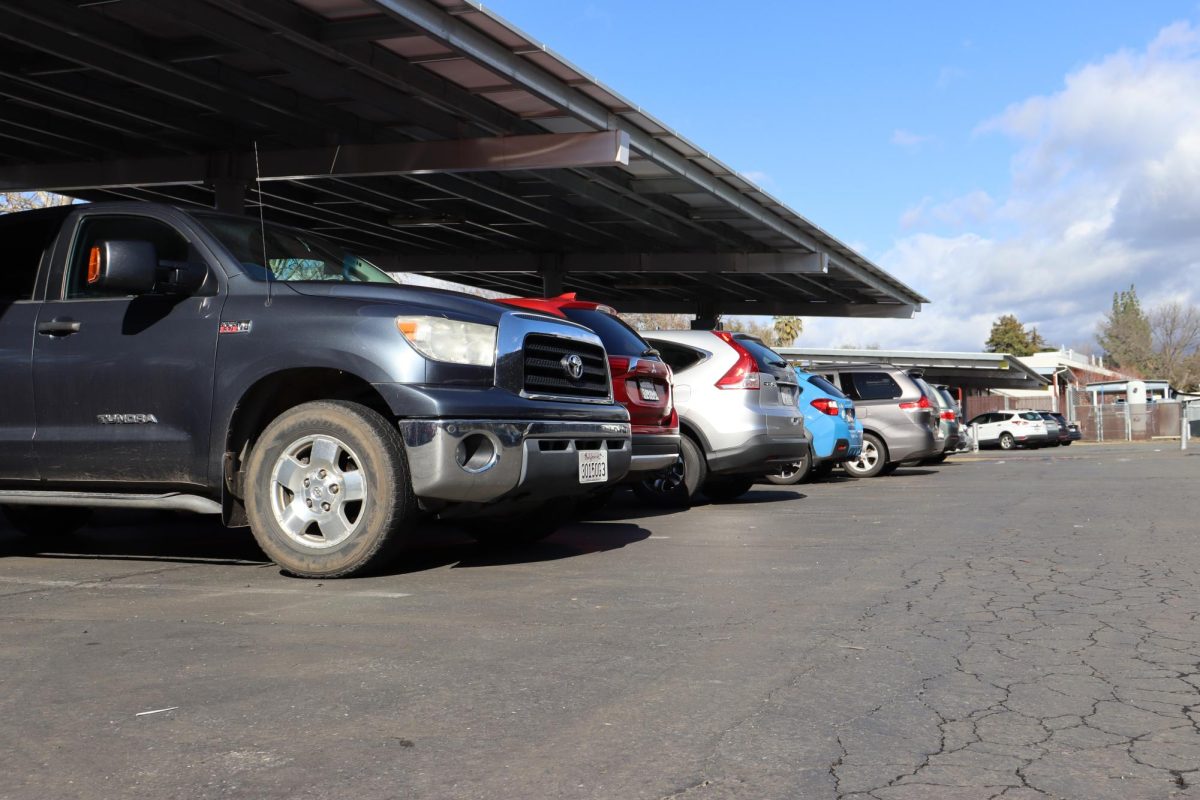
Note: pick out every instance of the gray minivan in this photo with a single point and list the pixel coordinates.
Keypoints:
(900, 422)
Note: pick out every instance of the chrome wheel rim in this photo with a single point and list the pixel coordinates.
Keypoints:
(1006, 442)
(318, 492)
(868, 457)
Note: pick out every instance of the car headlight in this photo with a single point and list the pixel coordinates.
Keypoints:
(450, 340)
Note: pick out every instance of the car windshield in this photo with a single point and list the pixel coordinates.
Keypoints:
(765, 356)
(276, 253)
(1031, 416)
(824, 385)
(619, 339)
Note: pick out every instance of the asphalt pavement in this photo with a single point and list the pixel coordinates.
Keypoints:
(1017, 625)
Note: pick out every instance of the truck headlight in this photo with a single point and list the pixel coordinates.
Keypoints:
(450, 340)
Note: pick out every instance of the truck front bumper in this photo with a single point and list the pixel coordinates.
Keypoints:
(483, 461)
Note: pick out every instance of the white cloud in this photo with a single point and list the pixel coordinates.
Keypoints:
(948, 76)
(971, 208)
(1105, 192)
(908, 139)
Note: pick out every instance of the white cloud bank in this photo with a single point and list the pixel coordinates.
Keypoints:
(1105, 192)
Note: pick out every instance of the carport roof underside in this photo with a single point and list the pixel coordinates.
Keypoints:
(966, 370)
(429, 133)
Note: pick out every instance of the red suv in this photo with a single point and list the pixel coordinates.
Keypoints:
(641, 381)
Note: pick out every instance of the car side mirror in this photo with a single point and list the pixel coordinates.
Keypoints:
(181, 277)
(122, 266)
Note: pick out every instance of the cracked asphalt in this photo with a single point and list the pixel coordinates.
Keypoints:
(1018, 625)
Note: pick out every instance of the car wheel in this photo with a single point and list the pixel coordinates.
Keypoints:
(46, 520)
(1007, 442)
(676, 486)
(934, 460)
(791, 474)
(728, 489)
(870, 461)
(1066, 444)
(328, 490)
(890, 467)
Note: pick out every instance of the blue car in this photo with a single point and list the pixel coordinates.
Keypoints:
(836, 432)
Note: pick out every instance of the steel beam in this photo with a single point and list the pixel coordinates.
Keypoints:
(497, 154)
(701, 263)
(801, 308)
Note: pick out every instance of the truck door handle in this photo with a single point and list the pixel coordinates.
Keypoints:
(59, 327)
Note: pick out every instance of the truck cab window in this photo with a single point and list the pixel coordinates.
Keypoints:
(25, 238)
(169, 244)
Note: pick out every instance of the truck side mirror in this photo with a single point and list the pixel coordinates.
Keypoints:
(122, 266)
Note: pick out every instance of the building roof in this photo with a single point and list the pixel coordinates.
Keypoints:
(409, 128)
(967, 370)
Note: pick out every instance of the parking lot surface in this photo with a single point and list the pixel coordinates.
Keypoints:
(1020, 625)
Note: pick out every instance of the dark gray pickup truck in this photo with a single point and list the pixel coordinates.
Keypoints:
(152, 357)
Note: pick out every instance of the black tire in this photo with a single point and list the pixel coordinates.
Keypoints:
(792, 474)
(350, 536)
(871, 461)
(1007, 442)
(46, 520)
(822, 470)
(1066, 444)
(890, 467)
(677, 486)
(934, 459)
(520, 529)
(728, 488)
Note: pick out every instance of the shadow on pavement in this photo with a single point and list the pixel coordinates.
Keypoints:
(194, 539)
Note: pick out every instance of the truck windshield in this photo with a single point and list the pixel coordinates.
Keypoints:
(289, 254)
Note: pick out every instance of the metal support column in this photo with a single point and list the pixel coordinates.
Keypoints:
(707, 317)
(552, 274)
(229, 195)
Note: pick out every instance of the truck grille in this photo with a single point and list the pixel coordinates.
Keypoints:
(545, 373)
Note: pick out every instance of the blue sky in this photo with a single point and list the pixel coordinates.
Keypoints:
(912, 131)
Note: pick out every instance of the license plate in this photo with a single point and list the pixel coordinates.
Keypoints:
(787, 396)
(648, 390)
(593, 466)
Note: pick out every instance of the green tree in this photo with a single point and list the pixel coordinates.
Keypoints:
(787, 330)
(1125, 334)
(1038, 343)
(1009, 336)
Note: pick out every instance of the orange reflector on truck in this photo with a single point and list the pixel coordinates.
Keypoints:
(93, 273)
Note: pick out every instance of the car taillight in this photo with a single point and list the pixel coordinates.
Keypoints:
(826, 406)
(617, 365)
(920, 404)
(1019, 422)
(744, 372)
(948, 415)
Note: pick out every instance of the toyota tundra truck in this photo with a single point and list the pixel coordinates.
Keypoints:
(157, 357)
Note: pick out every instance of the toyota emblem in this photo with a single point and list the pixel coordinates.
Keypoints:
(573, 366)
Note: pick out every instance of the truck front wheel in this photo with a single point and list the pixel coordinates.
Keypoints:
(328, 490)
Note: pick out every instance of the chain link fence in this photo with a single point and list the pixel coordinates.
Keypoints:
(1122, 422)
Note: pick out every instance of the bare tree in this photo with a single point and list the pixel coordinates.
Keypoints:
(658, 322)
(24, 201)
(1175, 328)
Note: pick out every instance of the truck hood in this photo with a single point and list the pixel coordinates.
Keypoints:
(410, 299)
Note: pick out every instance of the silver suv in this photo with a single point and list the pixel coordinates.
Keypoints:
(738, 415)
(899, 420)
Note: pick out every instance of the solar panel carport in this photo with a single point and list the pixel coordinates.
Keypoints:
(429, 132)
(980, 371)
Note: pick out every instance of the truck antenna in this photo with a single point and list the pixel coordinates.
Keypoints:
(262, 225)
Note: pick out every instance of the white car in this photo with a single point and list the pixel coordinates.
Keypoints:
(1007, 429)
